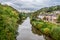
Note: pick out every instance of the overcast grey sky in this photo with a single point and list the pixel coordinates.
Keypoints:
(30, 4)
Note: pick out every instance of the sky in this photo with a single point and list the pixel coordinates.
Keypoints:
(31, 5)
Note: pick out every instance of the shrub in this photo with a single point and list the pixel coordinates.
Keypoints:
(46, 31)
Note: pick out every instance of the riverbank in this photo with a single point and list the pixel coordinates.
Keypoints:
(36, 31)
(48, 29)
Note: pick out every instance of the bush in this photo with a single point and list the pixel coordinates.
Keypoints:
(8, 23)
(46, 31)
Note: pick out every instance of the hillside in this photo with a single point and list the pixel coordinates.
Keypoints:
(49, 9)
(46, 10)
(47, 24)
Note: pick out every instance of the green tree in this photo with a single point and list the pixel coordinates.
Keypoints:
(58, 19)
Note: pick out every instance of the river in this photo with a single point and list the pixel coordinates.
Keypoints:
(25, 32)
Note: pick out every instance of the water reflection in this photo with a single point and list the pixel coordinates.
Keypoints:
(25, 32)
(36, 31)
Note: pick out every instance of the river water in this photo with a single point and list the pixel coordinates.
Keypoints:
(25, 32)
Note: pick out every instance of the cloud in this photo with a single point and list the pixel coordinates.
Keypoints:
(31, 4)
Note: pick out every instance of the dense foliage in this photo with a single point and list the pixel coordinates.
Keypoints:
(8, 23)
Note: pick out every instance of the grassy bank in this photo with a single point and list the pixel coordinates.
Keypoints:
(47, 28)
(8, 22)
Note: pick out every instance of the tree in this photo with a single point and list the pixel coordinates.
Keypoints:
(8, 22)
(58, 19)
(44, 18)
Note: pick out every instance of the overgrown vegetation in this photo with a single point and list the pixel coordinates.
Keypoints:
(47, 28)
(8, 22)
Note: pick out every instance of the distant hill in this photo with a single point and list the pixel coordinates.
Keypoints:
(46, 10)
(49, 9)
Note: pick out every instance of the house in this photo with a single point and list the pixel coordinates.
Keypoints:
(48, 17)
